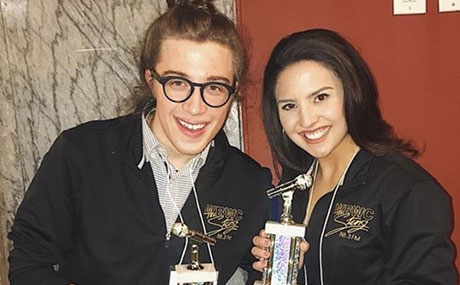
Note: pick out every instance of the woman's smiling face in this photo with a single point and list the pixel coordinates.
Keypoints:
(311, 107)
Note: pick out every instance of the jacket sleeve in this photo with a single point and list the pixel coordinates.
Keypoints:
(249, 259)
(264, 208)
(42, 233)
(417, 229)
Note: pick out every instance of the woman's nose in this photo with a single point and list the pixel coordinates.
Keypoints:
(308, 116)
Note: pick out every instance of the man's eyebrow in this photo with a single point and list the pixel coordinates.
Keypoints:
(210, 78)
(174, 72)
(218, 78)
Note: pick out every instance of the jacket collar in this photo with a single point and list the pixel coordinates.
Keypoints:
(218, 151)
(356, 175)
(129, 144)
(358, 172)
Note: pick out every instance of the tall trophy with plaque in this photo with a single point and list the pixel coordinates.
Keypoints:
(285, 236)
(194, 273)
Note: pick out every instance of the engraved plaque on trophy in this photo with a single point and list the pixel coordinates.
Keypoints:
(194, 273)
(285, 236)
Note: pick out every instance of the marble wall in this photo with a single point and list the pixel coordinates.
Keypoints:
(64, 62)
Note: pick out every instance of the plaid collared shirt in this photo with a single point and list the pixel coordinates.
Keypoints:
(173, 185)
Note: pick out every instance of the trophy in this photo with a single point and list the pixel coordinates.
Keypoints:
(195, 272)
(285, 236)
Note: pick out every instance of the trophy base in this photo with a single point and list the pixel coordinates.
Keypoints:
(183, 275)
(259, 282)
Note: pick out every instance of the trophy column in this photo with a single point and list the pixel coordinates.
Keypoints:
(285, 236)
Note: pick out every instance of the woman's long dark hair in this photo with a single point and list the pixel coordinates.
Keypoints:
(364, 118)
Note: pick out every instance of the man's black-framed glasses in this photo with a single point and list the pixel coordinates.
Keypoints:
(179, 89)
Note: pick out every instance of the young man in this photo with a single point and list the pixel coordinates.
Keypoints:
(102, 204)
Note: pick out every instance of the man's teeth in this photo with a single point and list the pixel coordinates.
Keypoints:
(317, 134)
(192, 127)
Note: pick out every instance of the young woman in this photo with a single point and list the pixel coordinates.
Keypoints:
(373, 215)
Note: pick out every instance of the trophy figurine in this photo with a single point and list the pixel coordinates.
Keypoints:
(285, 236)
(195, 272)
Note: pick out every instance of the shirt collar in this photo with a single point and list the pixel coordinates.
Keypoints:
(151, 146)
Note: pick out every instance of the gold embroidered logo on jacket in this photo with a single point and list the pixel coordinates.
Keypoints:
(352, 218)
(224, 218)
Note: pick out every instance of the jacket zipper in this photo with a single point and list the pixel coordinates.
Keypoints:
(167, 239)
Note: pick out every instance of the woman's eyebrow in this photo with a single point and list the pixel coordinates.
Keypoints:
(285, 101)
(314, 93)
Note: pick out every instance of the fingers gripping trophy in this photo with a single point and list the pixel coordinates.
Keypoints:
(285, 236)
(194, 273)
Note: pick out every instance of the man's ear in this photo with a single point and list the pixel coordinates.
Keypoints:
(148, 75)
(237, 91)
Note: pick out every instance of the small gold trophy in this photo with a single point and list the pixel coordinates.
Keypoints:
(285, 236)
(195, 273)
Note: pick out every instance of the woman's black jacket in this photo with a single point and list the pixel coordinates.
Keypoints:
(390, 223)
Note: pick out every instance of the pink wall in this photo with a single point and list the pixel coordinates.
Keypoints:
(415, 59)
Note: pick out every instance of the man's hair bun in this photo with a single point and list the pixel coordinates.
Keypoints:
(206, 5)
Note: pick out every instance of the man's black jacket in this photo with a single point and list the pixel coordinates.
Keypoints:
(91, 216)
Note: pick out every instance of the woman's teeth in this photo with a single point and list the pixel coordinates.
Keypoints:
(192, 127)
(316, 134)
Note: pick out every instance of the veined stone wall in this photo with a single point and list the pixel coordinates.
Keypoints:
(62, 63)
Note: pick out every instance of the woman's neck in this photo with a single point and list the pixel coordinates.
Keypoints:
(332, 167)
(330, 171)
